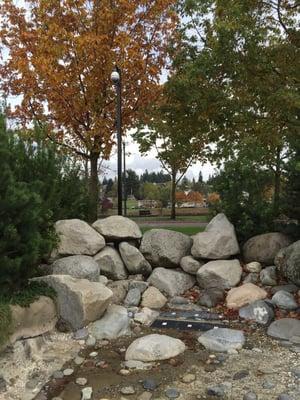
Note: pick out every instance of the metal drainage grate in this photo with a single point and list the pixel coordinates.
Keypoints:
(189, 320)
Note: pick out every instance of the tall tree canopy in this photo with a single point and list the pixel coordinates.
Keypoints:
(60, 57)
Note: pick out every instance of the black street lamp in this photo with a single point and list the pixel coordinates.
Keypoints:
(117, 81)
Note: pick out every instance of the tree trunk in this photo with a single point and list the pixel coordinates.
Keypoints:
(277, 178)
(173, 196)
(94, 186)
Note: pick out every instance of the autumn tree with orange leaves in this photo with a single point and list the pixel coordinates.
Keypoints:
(60, 57)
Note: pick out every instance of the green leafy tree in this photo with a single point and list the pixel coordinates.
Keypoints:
(23, 221)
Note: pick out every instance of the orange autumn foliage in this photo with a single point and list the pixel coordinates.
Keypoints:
(213, 198)
(60, 57)
(195, 197)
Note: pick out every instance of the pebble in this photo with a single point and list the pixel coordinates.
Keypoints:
(124, 372)
(268, 385)
(81, 381)
(127, 390)
(56, 398)
(93, 354)
(240, 374)
(172, 393)
(86, 393)
(91, 341)
(250, 396)
(68, 371)
(284, 396)
(81, 334)
(219, 390)
(150, 384)
(188, 378)
(78, 360)
(58, 375)
(296, 372)
(3, 386)
(145, 396)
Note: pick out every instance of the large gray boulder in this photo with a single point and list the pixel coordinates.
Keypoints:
(287, 262)
(77, 237)
(79, 301)
(217, 242)
(111, 264)
(223, 274)
(83, 267)
(190, 265)
(170, 282)
(222, 339)
(154, 348)
(134, 260)
(285, 328)
(165, 248)
(117, 228)
(113, 324)
(263, 248)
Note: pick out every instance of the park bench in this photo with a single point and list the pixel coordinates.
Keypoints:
(144, 213)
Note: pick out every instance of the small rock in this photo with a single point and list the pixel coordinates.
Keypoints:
(243, 295)
(86, 393)
(145, 396)
(127, 390)
(253, 266)
(222, 339)
(93, 354)
(258, 311)
(253, 277)
(141, 285)
(268, 384)
(217, 390)
(250, 396)
(240, 374)
(56, 375)
(150, 384)
(3, 385)
(284, 300)
(291, 288)
(188, 378)
(146, 316)
(268, 276)
(68, 371)
(211, 297)
(79, 360)
(284, 396)
(153, 298)
(91, 341)
(296, 372)
(132, 364)
(81, 334)
(172, 393)
(81, 381)
(103, 279)
(190, 265)
(179, 300)
(124, 372)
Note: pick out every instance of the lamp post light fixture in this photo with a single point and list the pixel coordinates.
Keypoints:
(117, 82)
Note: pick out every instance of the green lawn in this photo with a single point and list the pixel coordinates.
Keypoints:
(187, 230)
(188, 218)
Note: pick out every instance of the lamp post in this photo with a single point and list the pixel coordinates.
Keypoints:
(117, 82)
(124, 179)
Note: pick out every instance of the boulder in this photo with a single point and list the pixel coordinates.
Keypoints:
(268, 276)
(83, 267)
(287, 262)
(153, 298)
(190, 265)
(133, 298)
(171, 282)
(285, 328)
(263, 248)
(165, 248)
(113, 324)
(141, 285)
(134, 260)
(211, 297)
(253, 277)
(79, 301)
(222, 339)
(154, 348)
(36, 319)
(258, 311)
(117, 228)
(119, 289)
(284, 300)
(222, 274)
(217, 242)
(77, 237)
(243, 295)
(111, 264)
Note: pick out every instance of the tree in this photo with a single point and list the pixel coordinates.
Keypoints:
(60, 57)
(238, 74)
(132, 183)
(164, 129)
(24, 240)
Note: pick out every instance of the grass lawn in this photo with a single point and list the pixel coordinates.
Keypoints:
(187, 230)
(188, 218)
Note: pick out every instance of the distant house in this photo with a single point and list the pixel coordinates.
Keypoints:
(148, 204)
